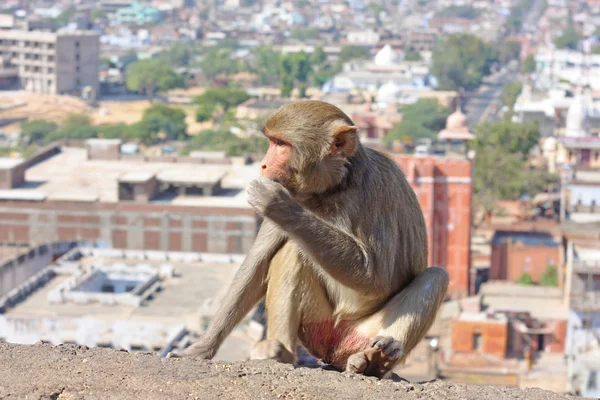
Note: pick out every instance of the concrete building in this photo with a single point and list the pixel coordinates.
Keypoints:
(139, 301)
(583, 329)
(85, 193)
(137, 14)
(582, 196)
(51, 62)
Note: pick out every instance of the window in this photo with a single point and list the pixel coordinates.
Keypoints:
(129, 288)
(50, 58)
(108, 289)
(477, 341)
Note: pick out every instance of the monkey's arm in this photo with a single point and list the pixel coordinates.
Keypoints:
(345, 257)
(247, 288)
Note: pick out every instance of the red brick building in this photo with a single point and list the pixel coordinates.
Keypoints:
(515, 253)
(444, 188)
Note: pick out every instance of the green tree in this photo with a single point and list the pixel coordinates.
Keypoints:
(294, 68)
(76, 126)
(509, 50)
(96, 13)
(205, 112)
(113, 131)
(304, 34)
(218, 60)
(461, 61)
(508, 137)
(549, 276)
(318, 57)
(422, 119)
(227, 97)
(150, 76)
(529, 64)
(525, 279)
(108, 62)
(411, 55)
(266, 65)
(64, 17)
(36, 130)
(467, 11)
(167, 120)
(177, 55)
(510, 92)
(223, 140)
(502, 146)
(569, 39)
(349, 53)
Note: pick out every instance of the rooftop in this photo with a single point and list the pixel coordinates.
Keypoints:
(8, 163)
(70, 176)
(194, 282)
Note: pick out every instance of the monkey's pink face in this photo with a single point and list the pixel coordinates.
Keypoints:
(275, 165)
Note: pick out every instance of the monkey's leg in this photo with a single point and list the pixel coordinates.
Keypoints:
(294, 295)
(401, 324)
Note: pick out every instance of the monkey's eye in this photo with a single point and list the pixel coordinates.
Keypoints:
(277, 142)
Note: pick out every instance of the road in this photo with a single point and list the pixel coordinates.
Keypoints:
(482, 105)
(485, 104)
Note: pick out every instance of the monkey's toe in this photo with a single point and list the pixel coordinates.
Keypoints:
(272, 350)
(357, 363)
(390, 349)
(173, 354)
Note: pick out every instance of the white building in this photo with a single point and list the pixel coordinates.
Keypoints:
(577, 68)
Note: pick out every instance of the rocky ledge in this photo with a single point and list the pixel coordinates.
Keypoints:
(43, 371)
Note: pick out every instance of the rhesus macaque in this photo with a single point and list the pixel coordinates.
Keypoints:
(341, 255)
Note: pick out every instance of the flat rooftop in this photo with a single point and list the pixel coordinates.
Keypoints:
(8, 163)
(70, 176)
(181, 297)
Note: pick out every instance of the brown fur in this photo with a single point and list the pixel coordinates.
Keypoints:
(343, 245)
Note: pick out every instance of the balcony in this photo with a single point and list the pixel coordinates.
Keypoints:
(585, 301)
(587, 266)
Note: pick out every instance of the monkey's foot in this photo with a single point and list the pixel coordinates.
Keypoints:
(377, 359)
(272, 350)
(197, 350)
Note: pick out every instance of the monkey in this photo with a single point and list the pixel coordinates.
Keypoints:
(341, 255)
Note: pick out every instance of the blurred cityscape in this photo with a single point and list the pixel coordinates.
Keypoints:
(129, 131)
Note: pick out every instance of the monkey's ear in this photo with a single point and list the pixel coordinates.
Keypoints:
(344, 141)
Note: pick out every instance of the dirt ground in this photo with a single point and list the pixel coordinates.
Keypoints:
(44, 371)
(57, 108)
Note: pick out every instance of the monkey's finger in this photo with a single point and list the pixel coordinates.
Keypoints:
(391, 347)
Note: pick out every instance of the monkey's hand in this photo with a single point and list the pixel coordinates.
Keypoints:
(270, 199)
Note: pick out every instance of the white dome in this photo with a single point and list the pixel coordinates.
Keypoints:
(388, 92)
(577, 118)
(386, 56)
(549, 145)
